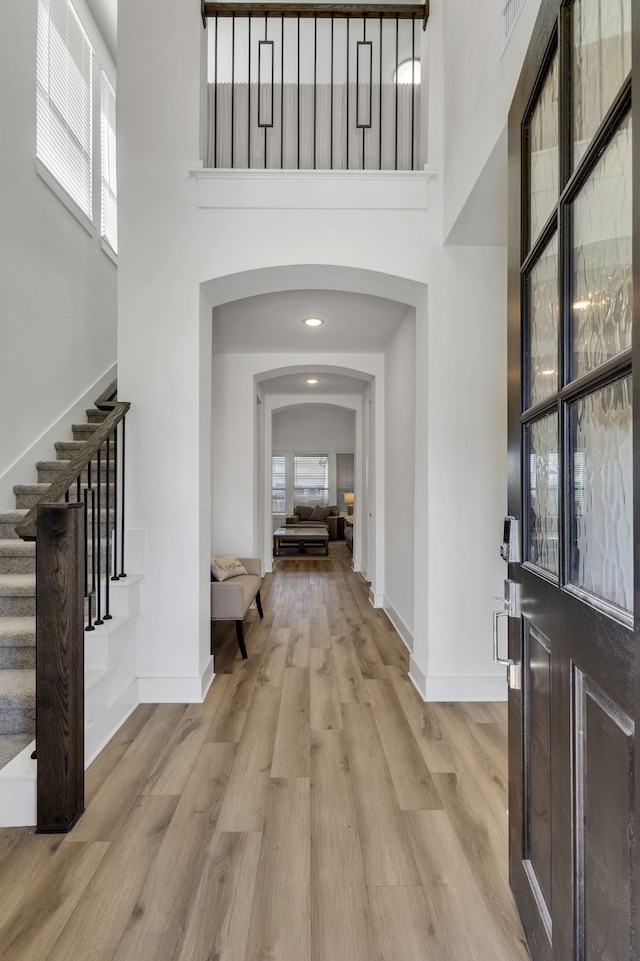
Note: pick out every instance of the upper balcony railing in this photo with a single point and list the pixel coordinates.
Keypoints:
(314, 86)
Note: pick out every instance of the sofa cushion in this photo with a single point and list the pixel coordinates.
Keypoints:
(303, 512)
(224, 567)
(320, 513)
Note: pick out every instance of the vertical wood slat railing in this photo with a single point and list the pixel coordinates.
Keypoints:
(78, 526)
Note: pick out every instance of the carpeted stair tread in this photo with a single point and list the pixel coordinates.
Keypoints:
(82, 431)
(68, 448)
(17, 631)
(17, 585)
(11, 745)
(95, 416)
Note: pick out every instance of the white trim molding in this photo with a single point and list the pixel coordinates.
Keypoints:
(188, 689)
(313, 189)
(406, 635)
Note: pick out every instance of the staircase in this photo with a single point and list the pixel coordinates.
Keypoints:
(18, 600)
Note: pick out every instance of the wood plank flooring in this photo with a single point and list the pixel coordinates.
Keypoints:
(312, 809)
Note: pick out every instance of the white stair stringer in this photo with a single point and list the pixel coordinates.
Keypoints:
(111, 694)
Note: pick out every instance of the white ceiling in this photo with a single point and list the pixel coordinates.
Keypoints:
(273, 323)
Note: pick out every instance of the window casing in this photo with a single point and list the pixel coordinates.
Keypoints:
(109, 182)
(64, 112)
(278, 484)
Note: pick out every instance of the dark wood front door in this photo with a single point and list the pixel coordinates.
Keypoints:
(573, 339)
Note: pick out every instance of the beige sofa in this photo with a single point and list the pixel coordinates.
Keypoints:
(304, 516)
(230, 599)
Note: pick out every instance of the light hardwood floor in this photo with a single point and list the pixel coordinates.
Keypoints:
(312, 809)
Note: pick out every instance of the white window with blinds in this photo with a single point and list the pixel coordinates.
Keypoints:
(311, 480)
(278, 484)
(64, 100)
(109, 182)
(345, 478)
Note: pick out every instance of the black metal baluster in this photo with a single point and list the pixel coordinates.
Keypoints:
(273, 80)
(122, 573)
(78, 489)
(315, 78)
(88, 496)
(215, 96)
(298, 91)
(233, 81)
(380, 95)
(413, 85)
(98, 545)
(114, 576)
(347, 86)
(364, 39)
(66, 496)
(396, 154)
(331, 110)
(249, 101)
(107, 548)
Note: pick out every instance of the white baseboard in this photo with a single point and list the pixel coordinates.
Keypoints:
(417, 677)
(23, 470)
(406, 635)
(18, 790)
(190, 689)
(457, 687)
(376, 599)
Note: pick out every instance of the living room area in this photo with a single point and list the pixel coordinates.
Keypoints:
(313, 477)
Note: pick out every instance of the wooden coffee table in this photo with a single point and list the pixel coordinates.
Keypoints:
(301, 540)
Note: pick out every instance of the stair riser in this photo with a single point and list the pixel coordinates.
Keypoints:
(17, 606)
(8, 529)
(84, 431)
(97, 416)
(17, 658)
(50, 474)
(17, 565)
(17, 718)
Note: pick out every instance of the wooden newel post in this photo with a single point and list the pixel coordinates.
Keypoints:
(60, 560)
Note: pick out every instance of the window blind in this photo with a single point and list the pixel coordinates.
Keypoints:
(108, 165)
(345, 478)
(278, 484)
(64, 100)
(311, 479)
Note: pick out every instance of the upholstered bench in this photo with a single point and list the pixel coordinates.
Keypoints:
(232, 597)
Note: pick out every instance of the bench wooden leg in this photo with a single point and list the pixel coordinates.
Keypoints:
(259, 604)
(240, 636)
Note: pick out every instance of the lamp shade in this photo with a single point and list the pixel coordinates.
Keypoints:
(348, 497)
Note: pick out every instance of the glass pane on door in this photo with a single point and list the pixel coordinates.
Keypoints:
(543, 325)
(602, 60)
(542, 493)
(602, 528)
(602, 258)
(543, 159)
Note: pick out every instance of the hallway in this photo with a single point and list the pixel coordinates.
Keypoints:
(312, 809)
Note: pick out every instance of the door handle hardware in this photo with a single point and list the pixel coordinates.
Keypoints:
(514, 669)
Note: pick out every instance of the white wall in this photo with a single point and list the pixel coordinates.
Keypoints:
(58, 288)
(313, 428)
(400, 505)
(171, 249)
(479, 82)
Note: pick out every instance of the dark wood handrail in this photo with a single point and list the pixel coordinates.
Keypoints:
(107, 399)
(228, 8)
(26, 529)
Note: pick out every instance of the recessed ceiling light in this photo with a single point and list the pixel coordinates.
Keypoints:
(313, 322)
(312, 380)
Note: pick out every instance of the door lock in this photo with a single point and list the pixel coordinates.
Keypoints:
(511, 608)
